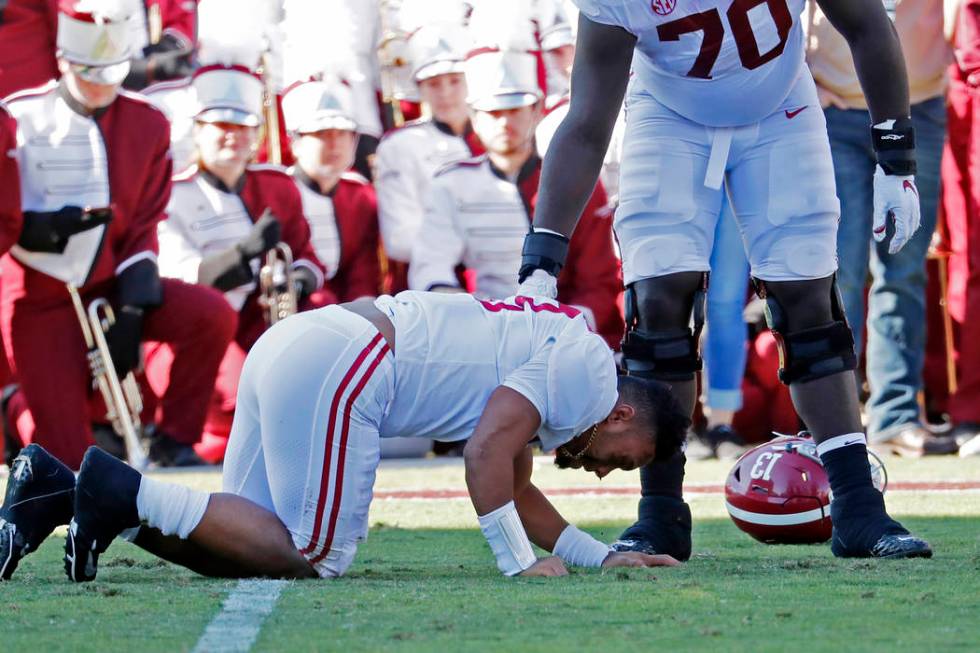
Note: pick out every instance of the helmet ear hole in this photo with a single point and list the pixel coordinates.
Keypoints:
(737, 473)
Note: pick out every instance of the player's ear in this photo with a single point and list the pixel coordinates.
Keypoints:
(622, 412)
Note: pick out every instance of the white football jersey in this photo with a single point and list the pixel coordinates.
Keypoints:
(453, 350)
(721, 63)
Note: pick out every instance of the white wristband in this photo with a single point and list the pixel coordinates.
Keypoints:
(508, 540)
(578, 548)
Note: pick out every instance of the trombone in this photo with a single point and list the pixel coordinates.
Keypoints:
(122, 398)
(278, 294)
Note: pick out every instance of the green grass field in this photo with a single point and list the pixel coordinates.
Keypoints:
(425, 581)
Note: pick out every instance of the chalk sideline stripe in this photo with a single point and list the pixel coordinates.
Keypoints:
(237, 626)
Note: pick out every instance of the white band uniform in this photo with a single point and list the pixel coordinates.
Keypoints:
(579, 548)
(508, 540)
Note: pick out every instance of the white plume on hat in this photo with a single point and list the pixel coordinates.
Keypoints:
(505, 24)
(554, 25)
(233, 32)
(413, 14)
(321, 37)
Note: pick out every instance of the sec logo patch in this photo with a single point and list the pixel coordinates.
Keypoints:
(663, 7)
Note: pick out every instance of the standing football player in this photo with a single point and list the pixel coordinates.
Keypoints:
(721, 102)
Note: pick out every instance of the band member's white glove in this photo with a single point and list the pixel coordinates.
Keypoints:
(895, 198)
(539, 284)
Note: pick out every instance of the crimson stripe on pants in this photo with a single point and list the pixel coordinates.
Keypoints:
(341, 456)
(325, 474)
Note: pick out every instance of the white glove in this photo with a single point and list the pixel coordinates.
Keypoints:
(539, 284)
(896, 197)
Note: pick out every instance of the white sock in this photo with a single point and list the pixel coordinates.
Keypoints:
(171, 508)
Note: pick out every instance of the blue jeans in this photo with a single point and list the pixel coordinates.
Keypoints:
(896, 323)
(724, 350)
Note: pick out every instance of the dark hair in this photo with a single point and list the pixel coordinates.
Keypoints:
(657, 406)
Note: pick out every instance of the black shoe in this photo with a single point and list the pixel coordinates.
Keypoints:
(39, 498)
(862, 529)
(105, 506)
(726, 442)
(664, 528)
(167, 452)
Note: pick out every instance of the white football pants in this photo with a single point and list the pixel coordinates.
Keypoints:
(778, 174)
(304, 443)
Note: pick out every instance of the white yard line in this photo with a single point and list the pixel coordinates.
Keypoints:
(237, 626)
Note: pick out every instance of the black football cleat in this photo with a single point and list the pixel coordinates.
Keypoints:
(901, 546)
(39, 498)
(105, 506)
(665, 528)
(863, 529)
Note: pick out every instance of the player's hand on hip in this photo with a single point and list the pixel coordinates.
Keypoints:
(637, 559)
(550, 566)
(539, 284)
(895, 198)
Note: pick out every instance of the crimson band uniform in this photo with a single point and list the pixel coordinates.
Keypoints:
(344, 234)
(27, 44)
(204, 217)
(343, 219)
(10, 211)
(118, 158)
(319, 390)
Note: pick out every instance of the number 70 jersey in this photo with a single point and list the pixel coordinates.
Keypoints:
(721, 63)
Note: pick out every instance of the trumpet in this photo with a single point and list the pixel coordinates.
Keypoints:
(278, 293)
(122, 398)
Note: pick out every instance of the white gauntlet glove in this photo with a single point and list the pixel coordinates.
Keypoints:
(895, 198)
(539, 284)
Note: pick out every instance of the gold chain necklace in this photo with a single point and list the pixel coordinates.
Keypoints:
(576, 456)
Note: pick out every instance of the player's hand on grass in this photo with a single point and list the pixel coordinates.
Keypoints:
(637, 559)
(550, 566)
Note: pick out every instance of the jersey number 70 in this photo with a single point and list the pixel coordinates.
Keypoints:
(710, 23)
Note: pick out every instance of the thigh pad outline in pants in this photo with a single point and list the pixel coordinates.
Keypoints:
(784, 196)
(316, 390)
(666, 218)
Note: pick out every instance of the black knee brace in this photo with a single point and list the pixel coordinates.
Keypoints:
(810, 354)
(671, 355)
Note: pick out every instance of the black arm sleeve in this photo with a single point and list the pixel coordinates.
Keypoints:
(224, 270)
(39, 235)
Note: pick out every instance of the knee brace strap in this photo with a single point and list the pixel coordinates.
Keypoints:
(663, 355)
(810, 354)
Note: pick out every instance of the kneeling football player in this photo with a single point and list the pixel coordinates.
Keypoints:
(317, 393)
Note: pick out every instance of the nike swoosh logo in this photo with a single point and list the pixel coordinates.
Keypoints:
(792, 114)
(908, 185)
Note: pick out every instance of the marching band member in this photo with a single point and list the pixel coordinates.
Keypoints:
(339, 37)
(224, 216)
(229, 31)
(339, 204)
(163, 41)
(95, 182)
(409, 157)
(479, 209)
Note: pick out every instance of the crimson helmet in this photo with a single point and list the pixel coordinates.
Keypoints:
(778, 492)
